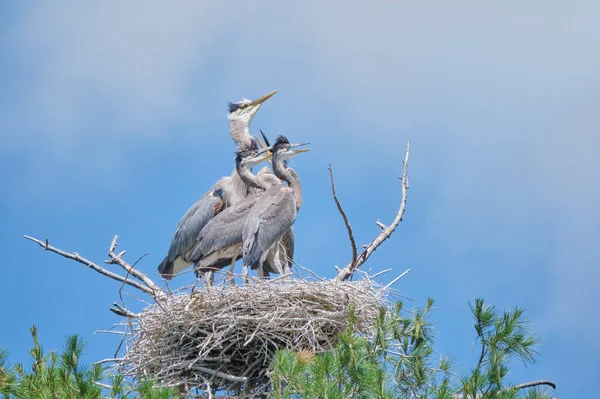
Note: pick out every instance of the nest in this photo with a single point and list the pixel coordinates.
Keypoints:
(223, 338)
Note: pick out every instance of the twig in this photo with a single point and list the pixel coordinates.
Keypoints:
(397, 278)
(75, 256)
(535, 384)
(121, 311)
(339, 206)
(112, 360)
(386, 231)
(116, 259)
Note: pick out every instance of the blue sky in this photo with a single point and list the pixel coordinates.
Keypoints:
(113, 121)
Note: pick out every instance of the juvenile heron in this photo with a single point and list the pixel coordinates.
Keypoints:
(220, 242)
(224, 193)
(280, 257)
(274, 213)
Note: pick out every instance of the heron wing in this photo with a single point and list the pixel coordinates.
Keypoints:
(224, 230)
(273, 215)
(289, 243)
(190, 225)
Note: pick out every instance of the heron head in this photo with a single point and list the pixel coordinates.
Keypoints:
(283, 150)
(246, 109)
(252, 156)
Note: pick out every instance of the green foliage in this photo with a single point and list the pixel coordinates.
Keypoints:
(65, 376)
(398, 360)
(502, 336)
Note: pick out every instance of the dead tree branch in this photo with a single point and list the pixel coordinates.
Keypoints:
(386, 231)
(346, 222)
(76, 257)
(535, 384)
(116, 259)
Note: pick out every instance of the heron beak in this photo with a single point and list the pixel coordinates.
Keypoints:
(299, 145)
(292, 153)
(296, 152)
(262, 156)
(260, 143)
(254, 106)
(264, 98)
(264, 137)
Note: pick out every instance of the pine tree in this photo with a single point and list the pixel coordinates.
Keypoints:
(399, 361)
(65, 376)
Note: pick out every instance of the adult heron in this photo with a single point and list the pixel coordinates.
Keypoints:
(274, 213)
(224, 193)
(220, 242)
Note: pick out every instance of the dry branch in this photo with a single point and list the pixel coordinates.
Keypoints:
(346, 222)
(535, 384)
(154, 292)
(117, 259)
(386, 231)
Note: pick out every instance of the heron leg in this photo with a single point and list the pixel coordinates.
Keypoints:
(230, 276)
(262, 273)
(209, 278)
(245, 274)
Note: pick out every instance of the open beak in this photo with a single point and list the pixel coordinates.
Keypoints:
(260, 143)
(263, 155)
(292, 153)
(299, 145)
(296, 152)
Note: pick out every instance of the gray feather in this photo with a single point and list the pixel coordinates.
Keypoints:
(271, 217)
(190, 225)
(224, 230)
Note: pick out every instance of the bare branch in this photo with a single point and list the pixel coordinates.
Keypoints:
(76, 257)
(116, 259)
(397, 278)
(535, 384)
(339, 206)
(386, 231)
(121, 311)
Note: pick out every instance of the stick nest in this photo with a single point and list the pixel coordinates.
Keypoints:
(223, 338)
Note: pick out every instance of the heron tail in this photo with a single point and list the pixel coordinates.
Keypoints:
(166, 269)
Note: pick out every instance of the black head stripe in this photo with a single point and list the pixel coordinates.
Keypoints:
(233, 107)
(281, 139)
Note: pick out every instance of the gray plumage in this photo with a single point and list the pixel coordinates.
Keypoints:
(273, 215)
(221, 233)
(231, 190)
(279, 260)
(220, 241)
(190, 225)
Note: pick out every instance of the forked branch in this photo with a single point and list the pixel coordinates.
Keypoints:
(150, 288)
(117, 259)
(386, 231)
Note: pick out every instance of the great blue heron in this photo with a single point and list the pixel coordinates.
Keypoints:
(224, 193)
(220, 242)
(280, 257)
(271, 218)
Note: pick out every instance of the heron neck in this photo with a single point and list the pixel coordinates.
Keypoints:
(239, 189)
(240, 133)
(250, 179)
(290, 176)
